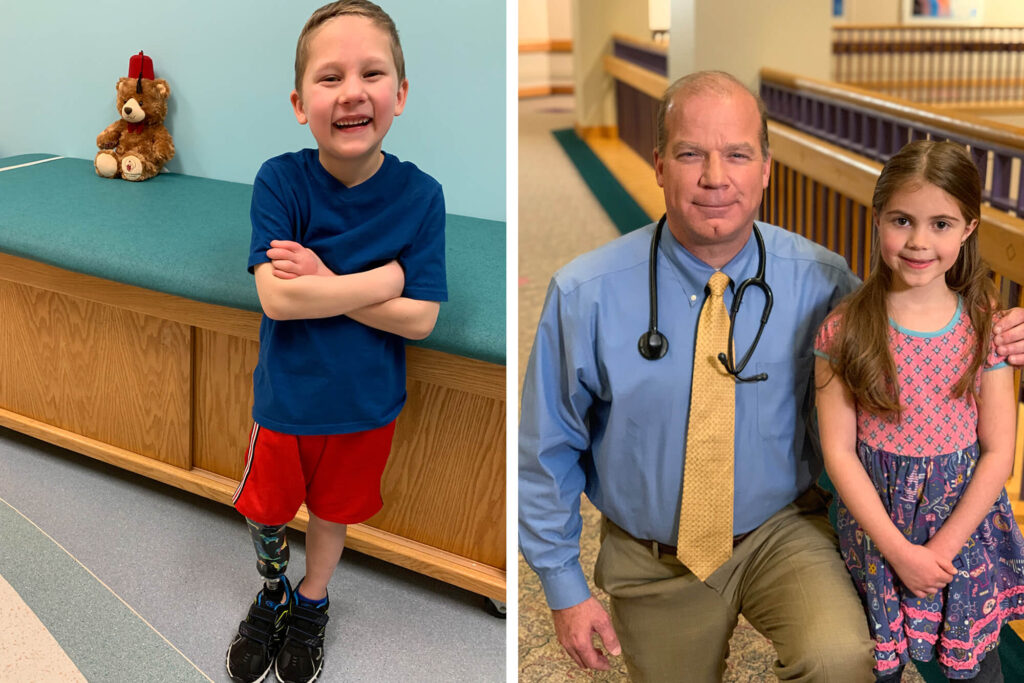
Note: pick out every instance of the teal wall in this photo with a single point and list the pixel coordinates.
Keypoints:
(229, 64)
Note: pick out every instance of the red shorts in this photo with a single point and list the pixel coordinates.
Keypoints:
(337, 475)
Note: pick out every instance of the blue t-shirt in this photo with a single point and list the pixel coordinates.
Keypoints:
(335, 375)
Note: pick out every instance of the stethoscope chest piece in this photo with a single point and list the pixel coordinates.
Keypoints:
(653, 345)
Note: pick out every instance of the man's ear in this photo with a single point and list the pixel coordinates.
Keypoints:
(659, 167)
(300, 113)
(403, 93)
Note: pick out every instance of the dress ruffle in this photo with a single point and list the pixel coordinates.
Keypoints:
(961, 623)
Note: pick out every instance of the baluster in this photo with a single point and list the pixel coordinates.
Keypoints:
(819, 212)
(945, 50)
(959, 81)
(982, 66)
(843, 125)
(979, 155)
(1018, 63)
(798, 205)
(868, 137)
(914, 67)
(900, 137)
(999, 52)
(836, 54)
(1020, 189)
(829, 213)
(990, 73)
(1002, 166)
(885, 139)
(884, 60)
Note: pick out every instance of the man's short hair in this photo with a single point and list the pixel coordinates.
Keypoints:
(362, 8)
(717, 82)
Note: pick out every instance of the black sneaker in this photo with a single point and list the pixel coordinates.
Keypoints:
(302, 654)
(251, 654)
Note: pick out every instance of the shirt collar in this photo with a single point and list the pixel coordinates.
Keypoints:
(693, 274)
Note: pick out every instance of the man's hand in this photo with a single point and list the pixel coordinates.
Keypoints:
(575, 626)
(291, 259)
(1010, 336)
(922, 570)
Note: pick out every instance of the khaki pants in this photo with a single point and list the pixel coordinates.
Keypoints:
(786, 577)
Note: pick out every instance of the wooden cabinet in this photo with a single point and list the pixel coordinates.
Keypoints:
(162, 386)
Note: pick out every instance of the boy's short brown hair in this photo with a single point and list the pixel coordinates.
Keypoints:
(362, 8)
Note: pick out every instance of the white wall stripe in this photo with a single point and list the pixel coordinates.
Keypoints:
(31, 163)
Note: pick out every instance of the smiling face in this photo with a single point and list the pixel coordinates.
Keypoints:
(921, 229)
(350, 95)
(712, 171)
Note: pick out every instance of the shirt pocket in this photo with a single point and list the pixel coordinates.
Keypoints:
(781, 397)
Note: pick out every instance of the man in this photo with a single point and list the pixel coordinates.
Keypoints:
(599, 417)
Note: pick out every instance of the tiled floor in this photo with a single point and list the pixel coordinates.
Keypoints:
(155, 579)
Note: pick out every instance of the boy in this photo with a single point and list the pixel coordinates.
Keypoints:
(348, 255)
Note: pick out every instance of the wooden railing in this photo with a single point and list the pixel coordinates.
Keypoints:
(640, 71)
(938, 65)
(877, 126)
(828, 144)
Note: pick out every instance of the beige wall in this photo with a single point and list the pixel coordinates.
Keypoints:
(994, 12)
(544, 20)
(741, 36)
(659, 14)
(1003, 13)
(872, 11)
(541, 21)
(594, 22)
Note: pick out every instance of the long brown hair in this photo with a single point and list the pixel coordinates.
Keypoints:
(860, 352)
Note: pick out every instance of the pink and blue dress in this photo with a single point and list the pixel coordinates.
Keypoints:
(920, 467)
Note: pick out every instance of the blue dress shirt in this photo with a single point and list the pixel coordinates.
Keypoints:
(599, 418)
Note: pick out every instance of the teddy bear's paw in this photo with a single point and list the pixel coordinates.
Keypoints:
(106, 165)
(132, 168)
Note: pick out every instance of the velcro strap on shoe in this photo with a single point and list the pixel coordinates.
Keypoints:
(306, 625)
(302, 613)
(260, 635)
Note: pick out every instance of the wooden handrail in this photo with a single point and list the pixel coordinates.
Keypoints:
(915, 27)
(643, 80)
(553, 45)
(964, 126)
(1002, 234)
(649, 45)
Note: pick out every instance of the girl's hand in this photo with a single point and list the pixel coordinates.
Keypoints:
(291, 259)
(922, 570)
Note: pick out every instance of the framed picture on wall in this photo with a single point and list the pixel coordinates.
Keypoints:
(942, 12)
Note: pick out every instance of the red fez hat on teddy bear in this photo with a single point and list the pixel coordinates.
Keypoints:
(136, 146)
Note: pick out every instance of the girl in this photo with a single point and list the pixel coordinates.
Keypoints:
(916, 416)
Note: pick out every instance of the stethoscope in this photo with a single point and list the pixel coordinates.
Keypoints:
(654, 345)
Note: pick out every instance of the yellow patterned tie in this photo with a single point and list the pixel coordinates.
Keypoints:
(705, 517)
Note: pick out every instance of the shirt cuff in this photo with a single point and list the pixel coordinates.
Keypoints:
(565, 587)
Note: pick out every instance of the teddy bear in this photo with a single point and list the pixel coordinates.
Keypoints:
(136, 146)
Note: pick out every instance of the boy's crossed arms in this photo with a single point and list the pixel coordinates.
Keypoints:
(372, 297)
